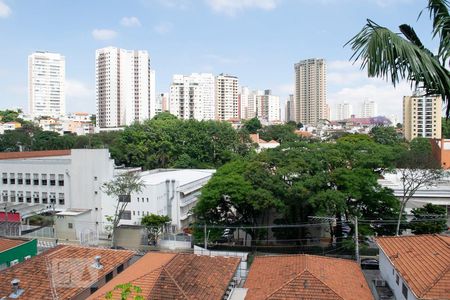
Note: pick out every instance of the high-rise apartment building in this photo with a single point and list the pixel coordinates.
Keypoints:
(244, 103)
(125, 87)
(342, 111)
(269, 107)
(162, 103)
(46, 84)
(422, 116)
(227, 98)
(310, 91)
(369, 109)
(193, 96)
(290, 109)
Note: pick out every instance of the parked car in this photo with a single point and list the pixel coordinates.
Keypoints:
(370, 264)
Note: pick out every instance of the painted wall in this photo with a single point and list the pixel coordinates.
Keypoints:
(19, 252)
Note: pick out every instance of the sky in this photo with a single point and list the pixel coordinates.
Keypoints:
(257, 40)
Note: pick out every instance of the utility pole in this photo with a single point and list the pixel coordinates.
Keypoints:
(206, 237)
(358, 260)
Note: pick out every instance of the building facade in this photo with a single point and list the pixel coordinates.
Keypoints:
(162, 103)
(290, 109)
(310, 91)
(227, 98)
(342, 111)
(269, 108)
(369, 109)
(46, 84)
(422, 117)
(125, 87)
(193, 96)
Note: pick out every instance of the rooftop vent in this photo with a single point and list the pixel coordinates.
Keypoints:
(97, 265)
(16, 290)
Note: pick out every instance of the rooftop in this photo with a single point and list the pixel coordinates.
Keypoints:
(423, 261)
(305, 277)
(183, 176)
(6, 244)
(33, 154)
(62, 272)
(185, 276)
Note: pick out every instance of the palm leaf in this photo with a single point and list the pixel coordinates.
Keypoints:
(441, 26)
(387, 55)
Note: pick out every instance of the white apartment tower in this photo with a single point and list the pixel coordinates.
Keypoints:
(343, 111)
(269, 107)
(46, 84)
(422, 117)
(244, 102)
(125, 87)
(310, 91)
(227, 98)
(192, 96)
(369, 109)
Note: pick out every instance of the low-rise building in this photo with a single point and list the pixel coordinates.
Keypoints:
(305, 277)
(14, 251)
(441, 151)
(64, 272)
(177, 276)
(416, 267)
(262, 144)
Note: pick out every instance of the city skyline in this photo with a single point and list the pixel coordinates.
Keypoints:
(162, 27)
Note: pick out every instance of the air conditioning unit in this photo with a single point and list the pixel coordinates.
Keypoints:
(27, 257)
(14, 262)
(379, 282)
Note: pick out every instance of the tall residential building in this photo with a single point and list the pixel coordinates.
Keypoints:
(422, 116)
(290, 109)
(125, 87)
(227, 98)
(310, 91)
(244, 103)
(369, 109)
(192, 96)
(342, 111)
(46, 84)
(162, 103)
(269, 107)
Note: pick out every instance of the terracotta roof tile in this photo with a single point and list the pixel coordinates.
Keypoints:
(62, 272)
(6, 244)
(423, 261)
(307, 276)
(187, 276)
(33, 154)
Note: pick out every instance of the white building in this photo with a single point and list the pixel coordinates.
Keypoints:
(193, 96)
(227, 98)
(167, 192)
(125, 87)
(369, 109)
(342, 111)
(244, 102)
(46, 84)
(268, 108)
(32, 182)
(162, 103)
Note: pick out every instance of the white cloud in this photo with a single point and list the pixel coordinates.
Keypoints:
(163, 28)
(103, 34)
(80, 97)
(232, 7)
(5, 11)
(130, 22)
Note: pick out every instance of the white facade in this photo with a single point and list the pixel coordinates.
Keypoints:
(310, 91)
(244, 102)
(268, 108)
(71, 180)
(227, 98)
(167, 192)
(193, 96)
(342, 111)
(369, 109)
(46, 84)
(162, 103)
(125, 87)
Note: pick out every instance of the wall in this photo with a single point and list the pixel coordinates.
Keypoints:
(441, 151)
(19, 252)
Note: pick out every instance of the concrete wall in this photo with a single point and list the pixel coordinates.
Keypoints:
(19, 252)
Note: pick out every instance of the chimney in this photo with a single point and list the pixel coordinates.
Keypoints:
(97, 264)
(16, 290)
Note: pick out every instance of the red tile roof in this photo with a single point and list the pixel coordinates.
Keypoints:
(423, 261)
(305, 277)
(187, 276)
(33, 154)
(62, 272)
(6, 244)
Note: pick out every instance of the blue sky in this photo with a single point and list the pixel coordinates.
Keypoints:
(257, 40)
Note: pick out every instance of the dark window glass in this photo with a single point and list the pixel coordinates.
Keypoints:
(405, 291)
(109, 276)
(28, 181)
(36, 181)
(120, 269)
(44, 181)
(20, 181)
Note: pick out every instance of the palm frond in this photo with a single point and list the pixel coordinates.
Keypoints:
(387, 55)
(441, 26)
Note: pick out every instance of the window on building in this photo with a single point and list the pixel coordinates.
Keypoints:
(5, 196)
(70, 225)
(44, 179)
(52, 197)
(397, 279)
(44, 198)
(109, 276)
(19, 178)
(147, 199)
(404, 291)
(12, 196)
(93, 289)
(12, 178)
(61, 179)
(52, 180)
(61, 198)
(35, 179)
(120, 269)
(20, 196)
(36, 197)
(27, 178)
(5, 178)
(126, 215)
(28, 197)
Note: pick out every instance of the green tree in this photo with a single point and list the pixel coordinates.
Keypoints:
(9, 116)
(445, 128)
(385, 135)
(389, 55)
(429, 219)
(121, 187)
(126, 290)
(155, 225)
(252, 125)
